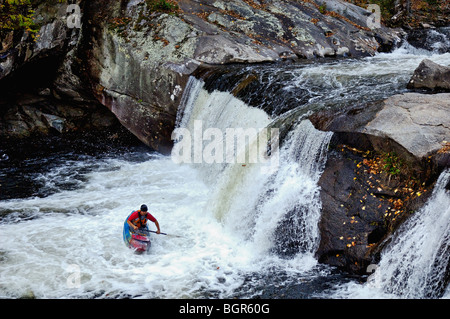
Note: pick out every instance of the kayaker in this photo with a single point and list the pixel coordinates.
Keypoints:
(138, 219)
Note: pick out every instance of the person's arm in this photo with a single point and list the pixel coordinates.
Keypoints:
(131, 225)
(130, 219)
(153, 219)
(157, 226)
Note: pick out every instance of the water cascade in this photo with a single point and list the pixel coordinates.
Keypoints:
(416, 263)
(257, 197)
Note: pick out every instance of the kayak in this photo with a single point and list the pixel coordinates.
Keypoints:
(138, 240)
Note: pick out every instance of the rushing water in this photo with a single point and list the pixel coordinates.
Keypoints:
(62, 238)
(332, 83)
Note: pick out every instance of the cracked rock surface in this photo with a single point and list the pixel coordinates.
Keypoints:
(418, 122)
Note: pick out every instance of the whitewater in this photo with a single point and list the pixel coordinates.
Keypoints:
(67, 242)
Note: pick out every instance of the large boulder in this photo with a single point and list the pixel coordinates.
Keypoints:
(417, 122)
(430, 76)
(383, 162)
(413, 125)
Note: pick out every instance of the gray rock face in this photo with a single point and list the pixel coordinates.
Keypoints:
(135, 59)
(140, 62)
(52, 40)
(412, 124)
(286, 29)
(39, 92)
(430, 76)
(418, 122)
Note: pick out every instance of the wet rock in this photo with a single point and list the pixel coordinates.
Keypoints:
(361, 207)
(50, 117)
(430, 76)
(41, 88)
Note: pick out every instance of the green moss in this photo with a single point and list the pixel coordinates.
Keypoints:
(323, 8)
(162, 6)
(392, 163)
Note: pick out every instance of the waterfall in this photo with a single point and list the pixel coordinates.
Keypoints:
(276, 210)
(416, 263)
(292, 195)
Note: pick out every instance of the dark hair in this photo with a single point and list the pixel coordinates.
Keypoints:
(144, 207)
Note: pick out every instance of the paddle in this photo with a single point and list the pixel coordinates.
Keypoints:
(152, 231)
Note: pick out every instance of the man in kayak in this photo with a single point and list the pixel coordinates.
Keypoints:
(138, 219)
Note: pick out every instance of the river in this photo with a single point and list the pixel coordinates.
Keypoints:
(61, 232)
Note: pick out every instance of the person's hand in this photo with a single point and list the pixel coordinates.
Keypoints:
(135, 227)
(158, 232)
